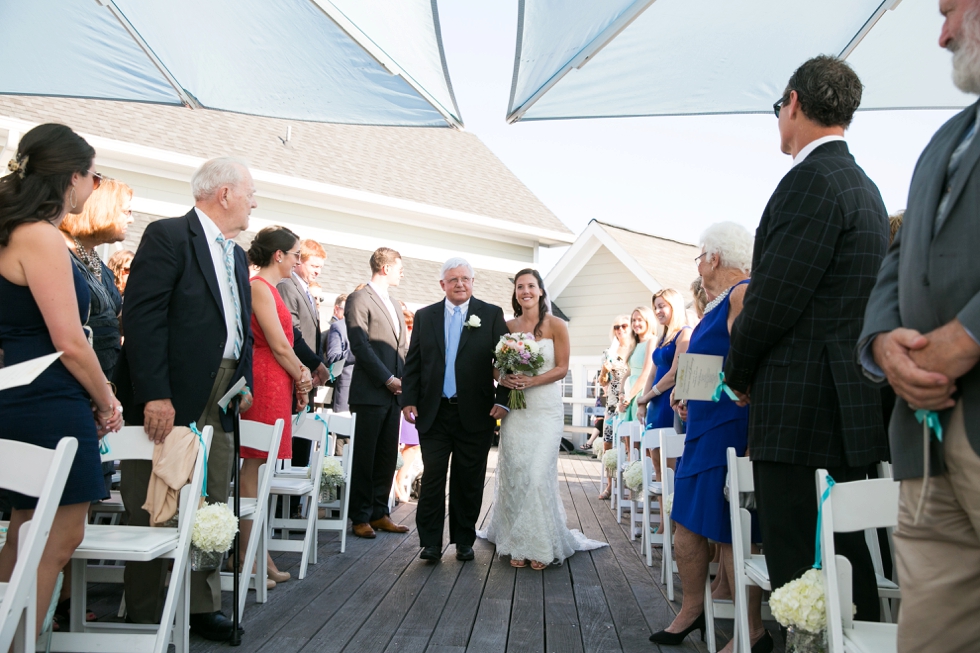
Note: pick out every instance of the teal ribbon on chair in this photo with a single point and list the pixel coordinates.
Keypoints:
(723, 387)
(318, 417)
(818, 561)
(200, 438)
(931, 420)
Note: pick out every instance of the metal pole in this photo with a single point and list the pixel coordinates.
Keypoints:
(236, 636)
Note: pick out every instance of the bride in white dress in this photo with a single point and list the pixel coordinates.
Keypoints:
(527, 520)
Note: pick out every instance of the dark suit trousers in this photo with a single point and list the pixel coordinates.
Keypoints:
(375, 457)
(787, 500)
(448, 439)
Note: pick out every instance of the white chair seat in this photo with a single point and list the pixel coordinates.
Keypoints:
(291, 486)
(757, 569)
(293, 472)
(656, 487)
(246, 506)
(887, 588)
(140, 543)
(871, 637)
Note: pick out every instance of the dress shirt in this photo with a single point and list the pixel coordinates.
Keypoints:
(226, 286)
(309, 296)
(463, 308)
(805, 152)
(383, 294)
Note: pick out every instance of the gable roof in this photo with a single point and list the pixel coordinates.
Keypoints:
(440, 167)
(657, 262)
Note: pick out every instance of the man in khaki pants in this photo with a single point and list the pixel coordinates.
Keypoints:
(187, 315)
(921, 333)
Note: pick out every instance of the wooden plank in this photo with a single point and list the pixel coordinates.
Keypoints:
(489, 632)
(456, 621)
(416, 628)
(527, 613)
(563, 634)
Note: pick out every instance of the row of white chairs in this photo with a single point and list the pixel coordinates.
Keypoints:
(18, 472)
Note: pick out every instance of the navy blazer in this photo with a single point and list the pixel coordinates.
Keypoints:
(174, 323)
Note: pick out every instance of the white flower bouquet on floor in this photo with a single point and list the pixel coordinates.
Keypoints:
(667, 502)
(215, 526)
(800, 606)
(633, 476)
(518, 353)
(331, 477)
(598, 448)
(610, 461)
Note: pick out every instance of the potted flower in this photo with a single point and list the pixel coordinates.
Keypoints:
(331, 477)
(800, 606)
(633, 476)
(215, 526)
(610, 460)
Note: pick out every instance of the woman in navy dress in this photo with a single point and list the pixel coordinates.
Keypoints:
(700, 510)
(44, 300)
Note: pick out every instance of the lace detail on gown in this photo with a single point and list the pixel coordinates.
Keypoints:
(527, 519)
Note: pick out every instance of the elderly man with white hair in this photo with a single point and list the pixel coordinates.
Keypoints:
(448, 393)
(186, 320)
(922, 334)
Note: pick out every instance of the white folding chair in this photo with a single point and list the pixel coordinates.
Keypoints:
(41, 473)
(626, 434)
(750, 569)
(306, 486)
(140, 544)
(339, 424)
(849, 507)
(261, 437)
(671, 447)
(651, 490)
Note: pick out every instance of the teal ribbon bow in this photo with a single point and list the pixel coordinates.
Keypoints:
(931, 419)
(723, 387)
(103, 447)
(200, 438)
(319, 418)
(818, 562)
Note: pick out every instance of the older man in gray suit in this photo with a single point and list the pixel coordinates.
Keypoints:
(921, 333)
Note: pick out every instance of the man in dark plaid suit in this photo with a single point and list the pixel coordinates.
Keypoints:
(817, 251)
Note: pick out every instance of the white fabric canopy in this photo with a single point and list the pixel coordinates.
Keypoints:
(680, 57)
(377, 64)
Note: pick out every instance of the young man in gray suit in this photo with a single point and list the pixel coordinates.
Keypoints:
(921, 333)
(379, 340)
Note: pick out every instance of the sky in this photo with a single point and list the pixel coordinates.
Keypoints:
(670, 177)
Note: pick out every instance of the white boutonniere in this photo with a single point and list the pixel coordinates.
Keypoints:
(472, 323)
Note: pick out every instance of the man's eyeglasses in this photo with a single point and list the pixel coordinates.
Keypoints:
(463, 280)
(777, 105)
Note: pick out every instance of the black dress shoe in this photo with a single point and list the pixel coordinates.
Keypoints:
(674, 639)
(464, 552)
(431, 553)
(212, 625)
(765, 644)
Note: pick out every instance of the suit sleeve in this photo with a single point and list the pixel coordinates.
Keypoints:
(303, 352)
(881, 314)
(155, 272)
(335, 346)
(290, 297)
(798, 247)
(357, 314)
(411, 380)
(499, 330)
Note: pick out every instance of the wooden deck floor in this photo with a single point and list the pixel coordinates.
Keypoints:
(378, 597)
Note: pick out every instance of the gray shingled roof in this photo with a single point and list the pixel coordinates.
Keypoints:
(440, 167)
(670, 262)
(347, 267)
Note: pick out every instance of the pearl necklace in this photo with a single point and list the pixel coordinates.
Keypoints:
(717, 300)
(91, 260)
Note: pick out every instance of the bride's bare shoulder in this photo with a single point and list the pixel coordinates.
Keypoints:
(553, 327)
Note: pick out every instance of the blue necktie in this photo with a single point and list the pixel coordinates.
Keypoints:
(452, 343)
(228, 246)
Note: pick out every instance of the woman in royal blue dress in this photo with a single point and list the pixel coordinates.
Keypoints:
(44, 300)
(668, 308)
(700, 510)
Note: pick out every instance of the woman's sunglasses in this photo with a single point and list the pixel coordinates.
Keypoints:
(97, 179)
(620, 327)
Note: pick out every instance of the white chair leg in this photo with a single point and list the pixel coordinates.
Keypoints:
(182, 624)
(709, 616)
(79, 597)
(742, 644)
(308, 539)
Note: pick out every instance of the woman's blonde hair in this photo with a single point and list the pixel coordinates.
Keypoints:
(648, 317)
(678, 314)
(102, 209)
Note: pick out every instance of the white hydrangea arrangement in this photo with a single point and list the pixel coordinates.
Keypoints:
(215, 526)
(610, 461)
(333, 473)
(598, 448)
(800, 603)
(633, 476)
(667, 502)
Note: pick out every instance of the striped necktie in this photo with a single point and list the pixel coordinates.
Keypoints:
(228, 247)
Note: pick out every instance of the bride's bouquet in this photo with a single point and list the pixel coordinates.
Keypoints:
(518, 353)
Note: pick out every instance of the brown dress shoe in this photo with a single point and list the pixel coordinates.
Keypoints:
(385, 524)
(364, 530)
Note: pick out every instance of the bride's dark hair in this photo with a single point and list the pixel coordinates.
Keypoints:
(542, 300)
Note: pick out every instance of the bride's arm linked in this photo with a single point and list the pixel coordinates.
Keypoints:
(559, 334)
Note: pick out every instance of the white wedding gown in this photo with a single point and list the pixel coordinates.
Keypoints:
(527, 519)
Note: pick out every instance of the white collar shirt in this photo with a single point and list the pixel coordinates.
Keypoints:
(306, 289)
(810, 147)
(383, 294)
(226, 286)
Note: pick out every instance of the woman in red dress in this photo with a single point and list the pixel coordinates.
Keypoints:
(276, 370)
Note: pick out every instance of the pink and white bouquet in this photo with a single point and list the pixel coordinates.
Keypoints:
(518, 353)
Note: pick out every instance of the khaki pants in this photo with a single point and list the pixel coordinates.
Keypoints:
(144, 581)
(938, 561)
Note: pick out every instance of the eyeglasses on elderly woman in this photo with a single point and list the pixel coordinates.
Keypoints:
(620, 327)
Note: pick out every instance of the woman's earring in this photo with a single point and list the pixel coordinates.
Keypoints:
(71, 198)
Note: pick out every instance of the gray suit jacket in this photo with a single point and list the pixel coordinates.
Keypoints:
(304, 317)
(379, 351)
(926, 282)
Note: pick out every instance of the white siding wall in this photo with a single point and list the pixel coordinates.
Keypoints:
(603, 289)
